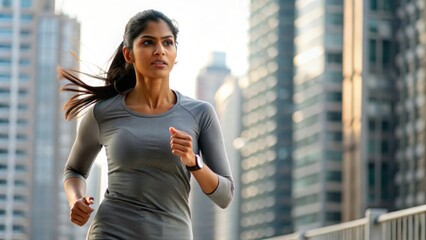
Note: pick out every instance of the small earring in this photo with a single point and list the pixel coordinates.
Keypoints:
(176, 62)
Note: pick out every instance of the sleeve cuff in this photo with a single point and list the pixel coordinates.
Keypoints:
(224, 192)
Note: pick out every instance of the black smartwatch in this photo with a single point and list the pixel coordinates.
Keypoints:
(198, 164)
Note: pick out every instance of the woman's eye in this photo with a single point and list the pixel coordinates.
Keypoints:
(147, 42)
(168, 42)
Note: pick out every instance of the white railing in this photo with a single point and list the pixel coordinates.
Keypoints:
(407, 224)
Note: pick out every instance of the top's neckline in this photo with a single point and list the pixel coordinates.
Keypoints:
(123, 103)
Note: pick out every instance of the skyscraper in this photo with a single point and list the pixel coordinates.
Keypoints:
(228, 107)
(369, 98)
(34, 137)
(17, 76)
(57, 36)
(203, 209)
(266, 152)
(410, 178)
(317, 155)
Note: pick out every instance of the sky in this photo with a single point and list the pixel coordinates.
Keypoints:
(204, 26)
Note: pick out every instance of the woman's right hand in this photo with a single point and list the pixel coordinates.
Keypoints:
(80, 211)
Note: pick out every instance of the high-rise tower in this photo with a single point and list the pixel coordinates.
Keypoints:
(410, 177)
(228, 106)
(266, 159)
(203, 209)
(368, 106)
(34, 139)
(317, 135)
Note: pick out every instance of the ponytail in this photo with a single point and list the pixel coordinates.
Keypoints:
(120, 78)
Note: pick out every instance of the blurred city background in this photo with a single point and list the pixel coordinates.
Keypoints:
(322, 105)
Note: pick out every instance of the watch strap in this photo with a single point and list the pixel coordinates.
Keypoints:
(197, 164)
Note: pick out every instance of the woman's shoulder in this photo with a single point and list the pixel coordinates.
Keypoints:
(195, 106)
(105, 107)
(192, 103)
(108, 104)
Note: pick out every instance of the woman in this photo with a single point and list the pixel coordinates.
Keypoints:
(152, 136)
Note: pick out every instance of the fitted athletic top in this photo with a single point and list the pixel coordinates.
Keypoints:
(148, 186)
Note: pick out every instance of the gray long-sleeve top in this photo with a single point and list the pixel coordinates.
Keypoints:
(141, 167)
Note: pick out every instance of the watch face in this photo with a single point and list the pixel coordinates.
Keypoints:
(200, 163)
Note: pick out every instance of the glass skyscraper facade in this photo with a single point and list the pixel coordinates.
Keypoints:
(203, 210)
(57, 37)
(17, 68)
(228, 108)
(266, 159)
(34, 138)
(369, 99)
(410, 132)
(317, 135)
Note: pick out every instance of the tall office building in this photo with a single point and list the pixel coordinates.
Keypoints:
(410, 178)
(203, 209)
(211, 77)
(266, 152)
(57, 38)
(17, 106)
(317, 155)
(34, 138)
(228, 107)
(369, 96)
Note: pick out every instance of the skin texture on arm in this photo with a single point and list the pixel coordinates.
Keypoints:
(181, 144)
(82, 155)
(80, 209)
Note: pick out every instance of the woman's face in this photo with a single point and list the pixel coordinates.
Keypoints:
(154, 51)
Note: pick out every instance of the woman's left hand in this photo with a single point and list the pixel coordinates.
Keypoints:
(181, 144)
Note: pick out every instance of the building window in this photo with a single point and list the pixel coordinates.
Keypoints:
(20, 183)
(307, 180)
(333, 77)
(372, 51)
(19, 213)
(334, 58)
(5, 47)
(5, 62)
(334, 116)
(333, 216)
(334, 19)
(334, 176)
(334, 2)
(306, 200)
(19, 198)
(306, 219)
(5, 3)
(26, 3)
(5, 77)
(18, 229)
(333, 156)
(335, 136)
(333, 197)
(333, 96)
(386, 53)
(373, 5)
(5, 17)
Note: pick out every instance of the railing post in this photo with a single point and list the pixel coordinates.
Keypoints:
(372, 230)
(302, 235)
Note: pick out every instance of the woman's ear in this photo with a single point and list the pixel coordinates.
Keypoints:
(128, 55)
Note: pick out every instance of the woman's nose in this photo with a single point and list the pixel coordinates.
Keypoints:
(159, 50)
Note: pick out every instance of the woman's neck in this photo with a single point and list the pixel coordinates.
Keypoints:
(151, 98)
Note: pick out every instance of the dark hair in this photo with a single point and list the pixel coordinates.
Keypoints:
(120, 77)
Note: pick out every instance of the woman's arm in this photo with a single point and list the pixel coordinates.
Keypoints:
(215, 178)
(181, 144)
(80, 209)
(83, 153)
